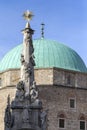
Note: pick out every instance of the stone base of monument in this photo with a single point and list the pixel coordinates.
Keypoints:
(29, 128)
(26, 128)
(26, 116)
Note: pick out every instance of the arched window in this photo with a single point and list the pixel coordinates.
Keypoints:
(61, 121)
(82, 122)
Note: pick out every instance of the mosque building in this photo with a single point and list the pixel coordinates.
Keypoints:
(61, 76)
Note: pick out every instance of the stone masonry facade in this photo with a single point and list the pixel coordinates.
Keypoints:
(56, 100)
(56, 88)
(47, 76)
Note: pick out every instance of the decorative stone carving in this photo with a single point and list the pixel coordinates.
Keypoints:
(20, 91)
(33, 92)
(25, 111)
(20, 85)
(22, 67)
(32, 59)
(8, 119)
(22, 59)
(44, 119)
(25, 116)
(28, 70)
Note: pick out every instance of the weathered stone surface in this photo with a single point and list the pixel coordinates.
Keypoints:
(69, 78)
(56, 99)
(47, 76)
(3, 102)
(25, 111)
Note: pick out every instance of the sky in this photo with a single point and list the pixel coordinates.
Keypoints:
(65, 21)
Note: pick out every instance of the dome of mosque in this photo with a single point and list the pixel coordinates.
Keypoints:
(48, 54)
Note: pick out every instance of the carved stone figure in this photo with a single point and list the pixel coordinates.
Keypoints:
(28, 70)
(32, 59)
(44, 120)
(22, 59)
(34, 92)
(25, 116)
(20, 91)
(22, 66)
(8, 119)
(20, 85)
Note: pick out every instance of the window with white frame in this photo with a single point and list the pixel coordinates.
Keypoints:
(72, 103)
(82, 123)
(61, 121)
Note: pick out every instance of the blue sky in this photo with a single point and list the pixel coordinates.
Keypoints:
(65, 21)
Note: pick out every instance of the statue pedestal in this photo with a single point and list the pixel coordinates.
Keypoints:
(26, 116)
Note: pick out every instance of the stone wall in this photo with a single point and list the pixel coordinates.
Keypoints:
(69, 78)
(11, 77)
(44, 76)
(48, 76)
(56, 99)
(56, 87)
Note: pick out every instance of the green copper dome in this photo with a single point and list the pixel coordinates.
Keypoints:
(48, 54)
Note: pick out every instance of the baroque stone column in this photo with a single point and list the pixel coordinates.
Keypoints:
(25, 111)
(27, 60)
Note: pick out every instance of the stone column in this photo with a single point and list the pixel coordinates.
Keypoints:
(25, 111)
(27, 59)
